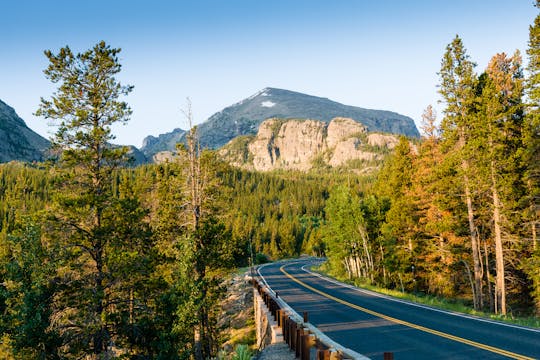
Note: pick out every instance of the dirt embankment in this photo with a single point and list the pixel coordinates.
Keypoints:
(237, 317)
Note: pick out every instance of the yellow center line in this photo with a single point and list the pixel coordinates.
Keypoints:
(406, 323)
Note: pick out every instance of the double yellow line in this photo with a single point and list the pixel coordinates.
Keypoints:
(406, 323)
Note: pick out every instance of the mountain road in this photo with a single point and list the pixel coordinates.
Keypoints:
(371, 324)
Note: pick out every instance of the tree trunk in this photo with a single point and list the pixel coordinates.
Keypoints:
(359, 266)
(534, 218)
(477, 298)
(369, 260)
(488, 277)
(382, 262)
(347, 268)
(195, 188)
(441, 249)
(352, 265)
(473, 288)
(500, 288)
(100, 337)
(534, 236)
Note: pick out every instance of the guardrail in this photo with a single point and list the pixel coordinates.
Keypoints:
(304, 338)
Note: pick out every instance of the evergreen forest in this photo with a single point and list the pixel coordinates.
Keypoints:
(101, 260)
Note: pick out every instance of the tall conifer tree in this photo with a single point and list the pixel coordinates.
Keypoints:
(457, 88)
(499, 142)
(531, 138)
(84, 107)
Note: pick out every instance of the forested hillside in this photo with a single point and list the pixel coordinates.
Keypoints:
(458, 215)
(99, 260)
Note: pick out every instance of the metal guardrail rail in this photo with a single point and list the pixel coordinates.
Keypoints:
(304, 338)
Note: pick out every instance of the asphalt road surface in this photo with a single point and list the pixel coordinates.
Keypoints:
(372, 324)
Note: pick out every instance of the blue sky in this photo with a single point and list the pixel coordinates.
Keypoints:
(381, 54)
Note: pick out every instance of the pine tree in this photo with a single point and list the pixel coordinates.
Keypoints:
(400, 228)
(84, 107)
(498, 137)
(457, 87)
(531, 156)
(435, 222)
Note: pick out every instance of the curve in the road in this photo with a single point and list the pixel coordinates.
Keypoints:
(411, 331)
(406, 323)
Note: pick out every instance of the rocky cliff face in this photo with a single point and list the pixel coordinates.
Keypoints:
(304, 144)
(288, 145)
(17, 141)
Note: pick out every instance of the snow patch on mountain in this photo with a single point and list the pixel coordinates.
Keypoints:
(268, 104)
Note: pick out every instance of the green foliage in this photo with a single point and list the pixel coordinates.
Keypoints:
(531, 153)
(24, 189)
(346, 236)
(260, 259)
(238, 149)
(83, 221)
(28, 294)
(242, 352)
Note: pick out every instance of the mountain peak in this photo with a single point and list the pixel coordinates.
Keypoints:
(245, 116)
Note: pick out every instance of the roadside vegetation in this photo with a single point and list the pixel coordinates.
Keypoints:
(463, 306)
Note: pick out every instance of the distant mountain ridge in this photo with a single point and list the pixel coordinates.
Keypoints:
(18, 141)
(165, 142)
(244, 118)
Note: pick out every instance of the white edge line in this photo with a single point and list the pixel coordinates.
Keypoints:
(415, 304)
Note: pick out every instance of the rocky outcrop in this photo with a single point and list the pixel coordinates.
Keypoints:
(303, 144)
(163, 157)
(382, 140)
(347, 150)
(342, 128)
(289, 144)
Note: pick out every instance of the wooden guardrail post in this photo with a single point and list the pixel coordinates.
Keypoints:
(293, 336)
(335, 355)
(323, 354)
(304, 351)
(298, 342)
(285, 328)
(272, 307)
(308, 343)
(388, 356)
(288, 331)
